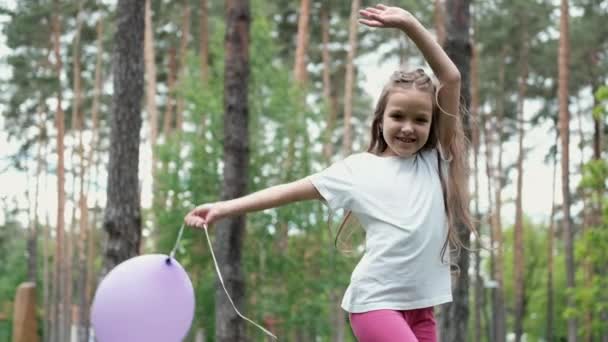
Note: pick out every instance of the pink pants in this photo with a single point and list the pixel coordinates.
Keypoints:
(395, 325)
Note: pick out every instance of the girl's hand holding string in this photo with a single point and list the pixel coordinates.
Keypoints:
(204, 214)
(386, 17)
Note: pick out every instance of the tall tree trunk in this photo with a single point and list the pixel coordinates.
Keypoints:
(150, 76)
(168, 116)
(77, 127)
(597, 207)
(60, 310)
(230, 233)
(92, 160)
(151, 106)
(299, 68)
(48, 310)
(518, 232)
(478, 296)
(32, 240)
(587, 223)
(330, 120)
(455, 315)
(204, 55)
(300, 79)
(330, 105)
(490, 175)
(349, 79)
(183, 52)
(439, 17)
(550, 248)
(80, 322)
(204, 40)
(122, 218)
(564, 121)
(336, 314)
(500, 329)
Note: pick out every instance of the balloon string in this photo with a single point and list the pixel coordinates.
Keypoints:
(219, 274)
(179, 237)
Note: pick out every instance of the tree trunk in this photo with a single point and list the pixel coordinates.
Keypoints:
(455, 315)
(518, 232)
(349, 79)
(47, 310)
(597, 207)
(478, 296)
(550, 248)
(300, 79)
(327, 86)
(204, 56)
(500, 329)
(76, 123)
(168, 117)
(122, 218)
(230, 233)
(32, 240)
(490, 175)
(299, 68)
(91, 160)
(587, 224)
(183, 52)
(336, 318)
(564, 121)
(60, 310)
(150, 62)
(77, 128)
(439, 17)
(204, 40)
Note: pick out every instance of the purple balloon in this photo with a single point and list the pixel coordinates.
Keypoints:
(144, 299)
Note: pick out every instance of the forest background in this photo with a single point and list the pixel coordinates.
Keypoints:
(535, 75)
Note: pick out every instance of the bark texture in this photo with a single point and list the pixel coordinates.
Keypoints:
(122, 216)
(229, 237)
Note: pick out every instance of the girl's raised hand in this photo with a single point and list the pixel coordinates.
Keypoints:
(204, 214)
(384, 16)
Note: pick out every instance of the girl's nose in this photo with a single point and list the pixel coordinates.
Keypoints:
(407, 127)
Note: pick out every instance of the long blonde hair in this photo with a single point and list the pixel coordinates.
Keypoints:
(455, 193)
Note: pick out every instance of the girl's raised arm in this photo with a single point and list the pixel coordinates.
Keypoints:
(449, 77)
(272, 197)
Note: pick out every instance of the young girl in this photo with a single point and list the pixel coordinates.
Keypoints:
(400, 192)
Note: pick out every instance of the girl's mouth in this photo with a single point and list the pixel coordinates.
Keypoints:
(407, 140)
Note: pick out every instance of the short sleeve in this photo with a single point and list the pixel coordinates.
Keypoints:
(335, 185)
(435, 158)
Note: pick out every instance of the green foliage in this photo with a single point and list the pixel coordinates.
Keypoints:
(13, 265)
(600, 111)
(591, 250)
(592, 247)
(535, 282)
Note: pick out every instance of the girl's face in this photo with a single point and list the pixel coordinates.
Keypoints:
(406, 121)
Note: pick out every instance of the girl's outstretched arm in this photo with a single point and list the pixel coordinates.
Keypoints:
(449, 77)
(272, 197)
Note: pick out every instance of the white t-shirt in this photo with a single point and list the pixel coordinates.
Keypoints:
(399, 202)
